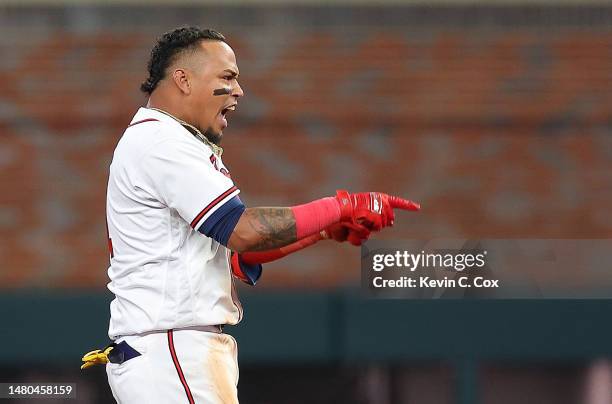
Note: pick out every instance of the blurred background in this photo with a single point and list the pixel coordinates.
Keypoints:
(495, 115)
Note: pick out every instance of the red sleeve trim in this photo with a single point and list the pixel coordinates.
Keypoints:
(142, 121)
(212, 205)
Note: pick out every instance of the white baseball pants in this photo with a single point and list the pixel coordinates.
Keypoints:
(177, 367)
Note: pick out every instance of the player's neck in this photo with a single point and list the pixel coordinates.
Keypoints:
(168, 107)
(168, 110)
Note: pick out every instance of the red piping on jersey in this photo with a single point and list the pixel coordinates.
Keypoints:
(212, 205)
(144, 120)
(177, 365)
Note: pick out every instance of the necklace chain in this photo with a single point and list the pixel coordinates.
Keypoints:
(194, 131)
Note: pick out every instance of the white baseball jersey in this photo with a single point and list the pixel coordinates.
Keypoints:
(164, 183)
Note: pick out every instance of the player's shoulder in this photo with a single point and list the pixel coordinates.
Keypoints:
(148, 131)
(149, 125)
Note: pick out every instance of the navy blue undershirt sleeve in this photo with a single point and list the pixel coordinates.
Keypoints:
(251, 273)
(220, 225)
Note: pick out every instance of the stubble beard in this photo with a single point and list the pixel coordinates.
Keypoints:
(212, 136)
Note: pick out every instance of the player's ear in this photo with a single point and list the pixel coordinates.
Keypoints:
(181, 80)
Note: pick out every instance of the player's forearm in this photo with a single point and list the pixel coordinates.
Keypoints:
(261, 229)
(262, 257)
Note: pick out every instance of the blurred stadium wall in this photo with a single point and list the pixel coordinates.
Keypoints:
(497, 117)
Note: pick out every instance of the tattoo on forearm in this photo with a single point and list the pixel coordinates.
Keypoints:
(275, 227)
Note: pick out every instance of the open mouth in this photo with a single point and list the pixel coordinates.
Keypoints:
(223, 114)
(227, 109)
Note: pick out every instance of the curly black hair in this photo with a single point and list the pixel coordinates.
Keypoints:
(168, 46)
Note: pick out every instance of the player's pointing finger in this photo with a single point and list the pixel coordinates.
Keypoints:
(405, 204)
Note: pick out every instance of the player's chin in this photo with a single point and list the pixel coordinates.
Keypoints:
(221, 127)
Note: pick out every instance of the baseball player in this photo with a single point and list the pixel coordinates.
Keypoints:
(178, 233)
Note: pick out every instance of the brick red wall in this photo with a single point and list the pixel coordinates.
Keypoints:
(499, 131)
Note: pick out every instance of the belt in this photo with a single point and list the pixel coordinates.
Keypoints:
(217, 329)
(122, 351)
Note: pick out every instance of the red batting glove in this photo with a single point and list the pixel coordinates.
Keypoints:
(373, 210)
